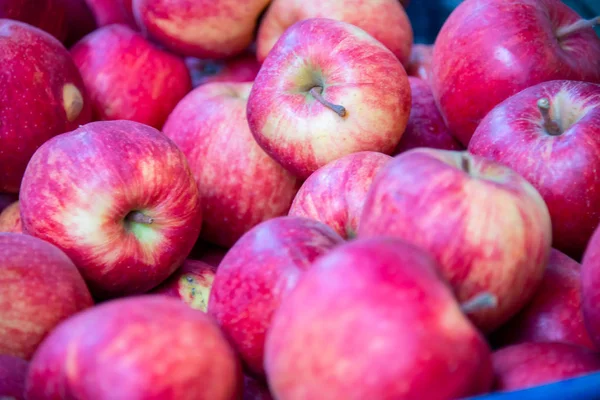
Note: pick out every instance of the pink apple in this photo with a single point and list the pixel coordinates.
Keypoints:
(335, 194)
(419, 64)
(426, 126)
(80, 20)
(373, 320)
(108, 12)
(41, 96)
(555, 148)
(120, 85)
(385, 20)
(242, 68)
(554, 314)
(148, 347)
(532, 364)
(257, 273)
(255, 390)
(488, 51)
(12, 377)
(590, 287)
(47, 15)
(129, 210)
(240, 185)
(488, 228)
(40, 288)
(200, 28)
(191, 283)
(306, 111)
(10, 219)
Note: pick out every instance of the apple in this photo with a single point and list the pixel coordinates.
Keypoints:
(12, 377)
(129, 209)
(419, 64)
(385, 20)
(554, 314)
(200, 28)
(335, 193)
(590, 285)
(306, 111)
(488, 51)
(6, 199)
(257, 273)
(142, 347)
(128, 77)
(487, 227)
(108, 12)
(47, 15)
(191, 283)
(548, 133)
(240, 185)
(526, 365)
(242, 68)
(80, 20)
(426, 126)
(41, 95)
(10, 219)
(372, 319)
(40, 288)
(255, 390)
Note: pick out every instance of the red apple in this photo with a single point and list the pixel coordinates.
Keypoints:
(255, 390)
(306, 111)
(47, 15)
(200, 28)
(119, 198)
(6, 199)
(487, 227)
(149, 347)
(590, 287)
(191, 283)
(426, 126)
(335, 194)
(41, 95)
(532, 364)
(12, 377)
(554, 314)
(554, 147)
(385, 20)
(419, 64)
(373, 320)
(40, 288)
(108, 12)
(10, 219)
(242, 68)
(80, 20)
(488, 51)
(257, 273)
(127, 77)
(240, 185)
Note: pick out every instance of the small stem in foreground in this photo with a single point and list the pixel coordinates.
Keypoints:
(550, 125)
(482, 301)
(316, 93)
(139, 217)
(576, 26)
(465, 163)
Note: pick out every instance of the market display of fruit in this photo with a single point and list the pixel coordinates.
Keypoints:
(297, 200)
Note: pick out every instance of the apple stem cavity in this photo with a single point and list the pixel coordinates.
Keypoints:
(550, 125)
(139, 217)
(482, 301)
(577, 26)
(316, 93)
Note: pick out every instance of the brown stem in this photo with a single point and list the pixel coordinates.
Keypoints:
(577, 26)
(482, 301)
(550, 125)
(316, 93)
(465, 163)
(139, 217)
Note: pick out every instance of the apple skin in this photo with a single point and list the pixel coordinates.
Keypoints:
(257, 273)
(242, 68)
(108, 12)
(488, 51)
(359, 322)
(419, 64)
(47, 15)
(54, 101)
(10, 219)
(513, 134)
(240, 185)
(149, 347)
(101, 173)
(40, 288)
(13, 371)
(122, 87)
(301, 133)
(385, 20)
(191, 283)
(590, 284)
(335, 193)
(426, 126)
(200, 28)
(486, 226)
(527, 365)
(554, 314)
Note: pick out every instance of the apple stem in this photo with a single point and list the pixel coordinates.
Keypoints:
(465, 163)
(139, 217)
(577, 26)
(316, 93)
(482, 301)
(550, 125)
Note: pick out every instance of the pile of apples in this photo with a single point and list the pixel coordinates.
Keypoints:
(288, 199)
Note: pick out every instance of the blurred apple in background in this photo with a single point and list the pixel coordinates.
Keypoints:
(335, 193)
(255, 390)
(47, 15)
(242, 68)
(107, 12)
(488, 51)
(127, 77)
(10, 219)
(6, 199)
(13, 371)
(119, 198)
(306, 111)
(80, 20)
(419, 64)
(41, 95)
